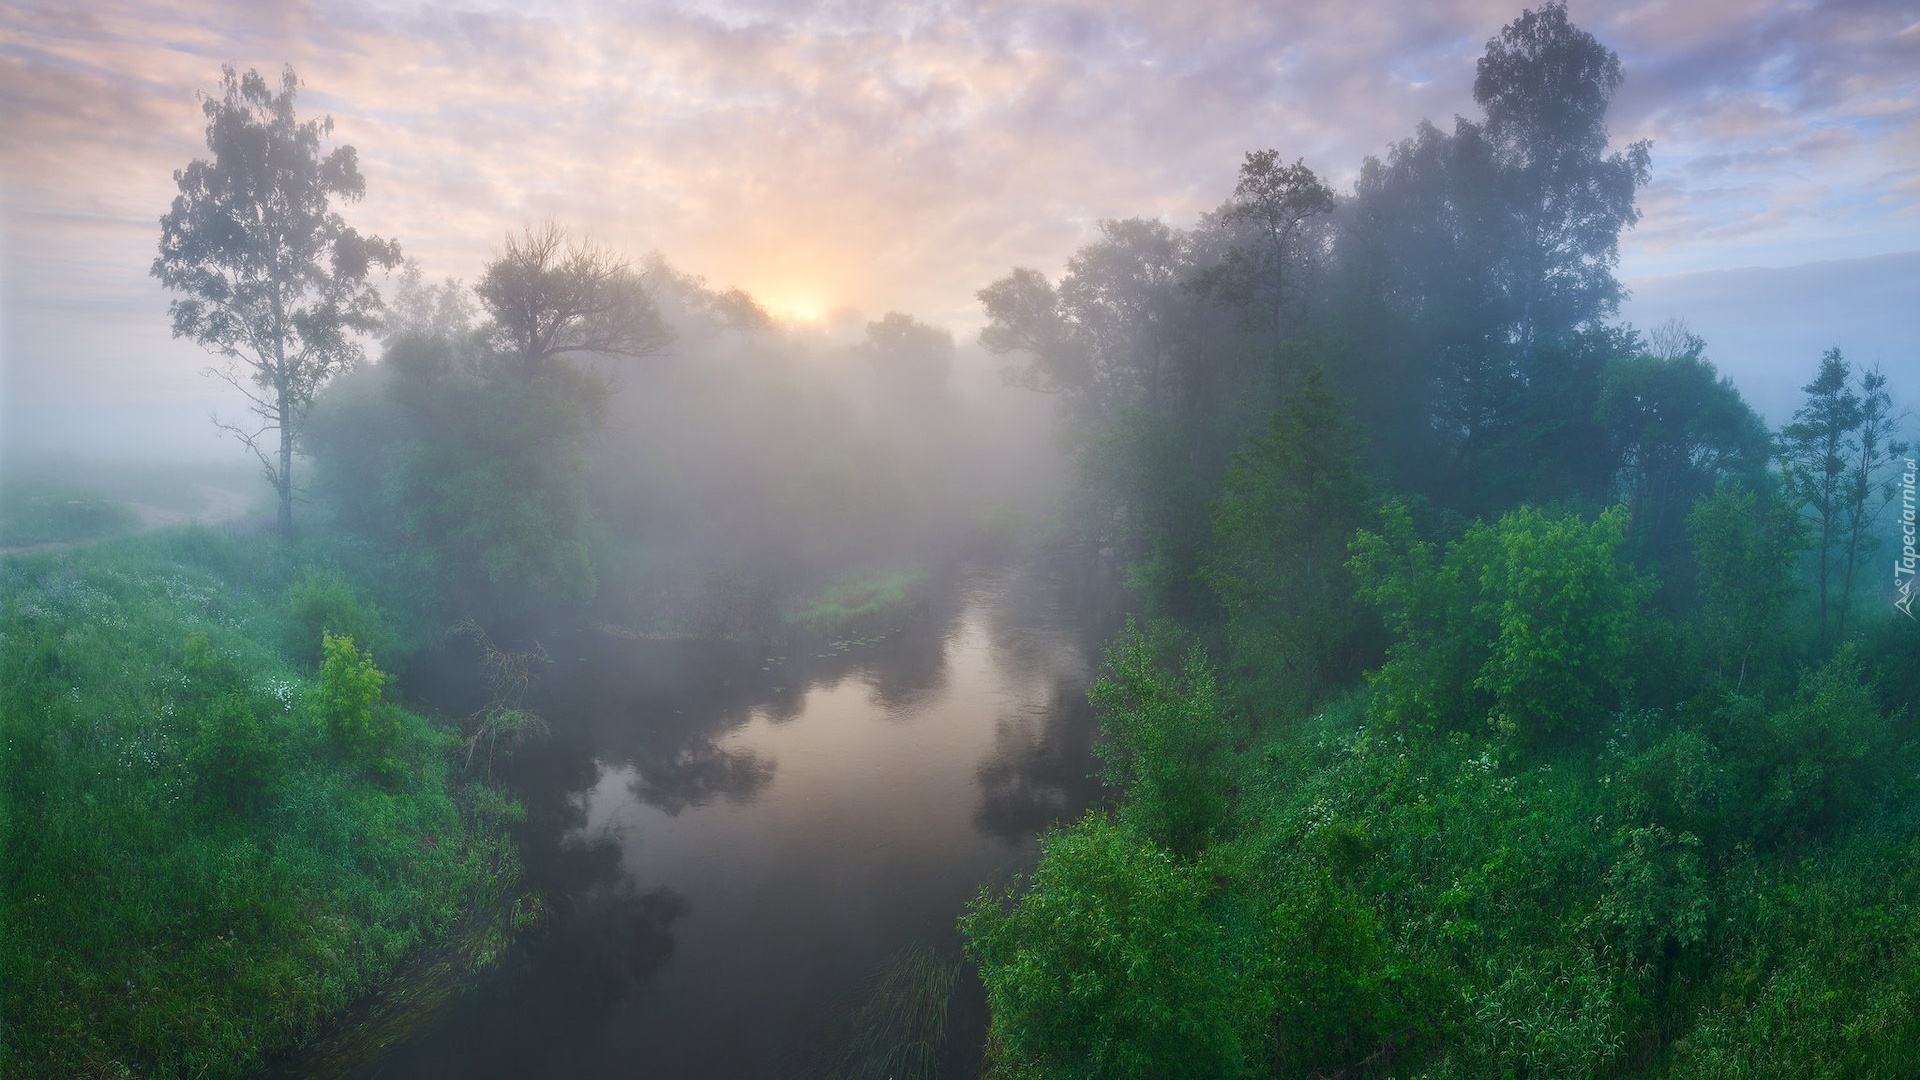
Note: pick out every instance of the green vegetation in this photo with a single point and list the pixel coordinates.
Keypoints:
(857, 603)
(1549, 735)
(207, 849)
(39, 512)
(899, 1030)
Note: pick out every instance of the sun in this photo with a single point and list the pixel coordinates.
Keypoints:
(802, 309)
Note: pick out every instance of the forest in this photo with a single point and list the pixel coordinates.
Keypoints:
(1479, 685)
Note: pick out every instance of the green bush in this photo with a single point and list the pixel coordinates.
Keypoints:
(1166, 742)
(322, 603)
(1529, 623)
(1109, 966)
(347, 694)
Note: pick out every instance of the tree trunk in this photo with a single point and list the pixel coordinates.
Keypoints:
(283, 481)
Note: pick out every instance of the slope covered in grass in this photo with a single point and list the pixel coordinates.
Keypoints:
(203, 853)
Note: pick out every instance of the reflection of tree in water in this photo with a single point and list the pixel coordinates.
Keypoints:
(698, 773)
(1038, 771)
(1043, 628)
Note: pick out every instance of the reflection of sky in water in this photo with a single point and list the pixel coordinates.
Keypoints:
(863, 838)
(730, 861)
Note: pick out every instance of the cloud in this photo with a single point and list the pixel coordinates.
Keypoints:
(901, 155)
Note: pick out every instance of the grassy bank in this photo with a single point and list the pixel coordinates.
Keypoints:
(212, 840)
(44, 512)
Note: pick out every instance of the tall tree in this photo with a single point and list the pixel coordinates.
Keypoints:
(1270, 211)
(1545, 86)
(1287, 508)
(1494, 245)
(275, 282)
(1863, 497)
(1814, 452)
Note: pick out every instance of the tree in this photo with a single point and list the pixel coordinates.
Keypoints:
(1814, 451)
(1862, 499)
(1272, 203)
(1166, 742)
(1287, 508)
(1676, 429)
(1743, 547)
(1545, 86)
(551, 296)
(275, 282)
(1528, 622)
(1493, 248)
(1109, 967)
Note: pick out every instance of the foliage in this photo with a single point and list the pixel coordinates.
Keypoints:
(550, 296)
(1744, 546)
(1528, 622)
(1110, 965)
(45, 513)
(479, 476)
(1677, 429)
(347, 695)
(321, 603)
(1166, 742)
(1286, 510)
(190, 877)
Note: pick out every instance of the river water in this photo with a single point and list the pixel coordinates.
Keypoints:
(734, 839)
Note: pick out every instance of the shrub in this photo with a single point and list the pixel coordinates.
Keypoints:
(348, 697)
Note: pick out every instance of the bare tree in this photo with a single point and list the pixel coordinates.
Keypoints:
(550, 296)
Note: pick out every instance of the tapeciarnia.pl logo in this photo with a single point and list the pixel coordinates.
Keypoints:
(1903, 566)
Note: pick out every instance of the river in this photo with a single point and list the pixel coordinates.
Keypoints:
(734, 839)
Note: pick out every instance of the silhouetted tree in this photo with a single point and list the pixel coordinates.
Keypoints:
(274, 281)
(1864, 498)
(1545, 86)
(549, 295)
(1271, 208)
(1814, 452)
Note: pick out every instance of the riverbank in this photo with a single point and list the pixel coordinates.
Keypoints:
(212, 840)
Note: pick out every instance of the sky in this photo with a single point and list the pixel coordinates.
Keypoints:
(844, 159)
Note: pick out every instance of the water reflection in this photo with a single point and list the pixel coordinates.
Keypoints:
(1037, 773)
(598, 952)
(734, 837)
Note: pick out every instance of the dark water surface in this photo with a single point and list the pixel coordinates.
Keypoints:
(734, 840)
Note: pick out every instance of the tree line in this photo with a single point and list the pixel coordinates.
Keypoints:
(1503, 700)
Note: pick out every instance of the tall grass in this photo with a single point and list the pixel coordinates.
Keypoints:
(899, 1030)
(192, 873)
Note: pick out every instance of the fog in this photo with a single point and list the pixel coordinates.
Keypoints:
(858, 540)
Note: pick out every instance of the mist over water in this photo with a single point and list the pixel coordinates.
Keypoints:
(735, 840)
(1215, 542)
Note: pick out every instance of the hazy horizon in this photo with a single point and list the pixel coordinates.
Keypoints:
(839, 161)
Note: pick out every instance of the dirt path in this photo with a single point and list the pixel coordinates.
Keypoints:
(222, 505)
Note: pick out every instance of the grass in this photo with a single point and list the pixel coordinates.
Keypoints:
(855, 603)
(44, 512)
(194, 873)
(899, 1030)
